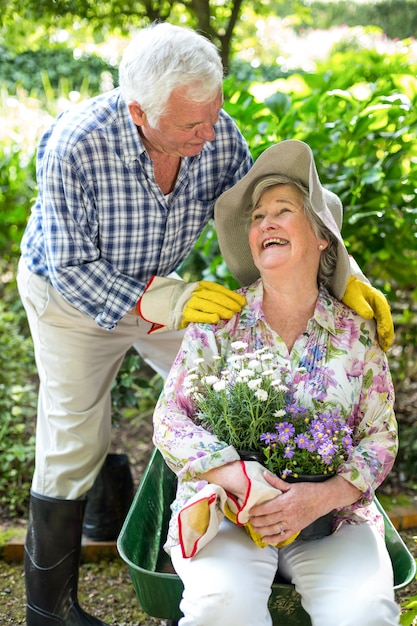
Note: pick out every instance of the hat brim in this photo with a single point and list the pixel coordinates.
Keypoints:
(293, 159)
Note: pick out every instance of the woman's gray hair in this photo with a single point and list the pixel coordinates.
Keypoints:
(328, 257)
(164, 57)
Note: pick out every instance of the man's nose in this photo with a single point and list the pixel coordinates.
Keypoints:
(206, 132)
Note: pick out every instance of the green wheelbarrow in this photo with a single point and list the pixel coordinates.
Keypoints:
(157, 586)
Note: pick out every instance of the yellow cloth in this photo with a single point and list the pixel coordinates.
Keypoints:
(255, 536)
(370, 303)
(199, 520)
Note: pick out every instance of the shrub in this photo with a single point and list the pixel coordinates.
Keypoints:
(27, 69)
(17, 414)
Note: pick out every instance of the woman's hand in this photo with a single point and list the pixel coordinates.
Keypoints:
(230, 477)
(299, 505)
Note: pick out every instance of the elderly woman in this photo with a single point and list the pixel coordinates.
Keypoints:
(279, 232)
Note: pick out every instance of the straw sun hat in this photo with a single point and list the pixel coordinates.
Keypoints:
(295, 160)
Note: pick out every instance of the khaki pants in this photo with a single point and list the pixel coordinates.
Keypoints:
(77, 362)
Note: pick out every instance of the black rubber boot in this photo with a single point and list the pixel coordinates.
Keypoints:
(52, 557)
(109, 499)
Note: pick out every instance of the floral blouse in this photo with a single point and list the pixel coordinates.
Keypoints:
(337, 359)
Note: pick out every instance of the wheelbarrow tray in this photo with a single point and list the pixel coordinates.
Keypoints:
(159, 589)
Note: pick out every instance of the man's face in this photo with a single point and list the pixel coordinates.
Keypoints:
(184, 129)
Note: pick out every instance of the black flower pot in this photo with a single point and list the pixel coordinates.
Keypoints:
(323, 526)
(249, 455)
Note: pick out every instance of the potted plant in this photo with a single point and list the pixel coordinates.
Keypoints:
(248, 402)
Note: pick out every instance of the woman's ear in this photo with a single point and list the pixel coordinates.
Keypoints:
(136, 113)
(323, 244)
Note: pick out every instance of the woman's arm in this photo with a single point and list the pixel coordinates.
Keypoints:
(375, 431)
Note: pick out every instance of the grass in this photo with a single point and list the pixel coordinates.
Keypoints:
(105, 591)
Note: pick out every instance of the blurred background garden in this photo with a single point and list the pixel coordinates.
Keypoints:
(339, 75)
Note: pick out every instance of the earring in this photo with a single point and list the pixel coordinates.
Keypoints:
(321, 246)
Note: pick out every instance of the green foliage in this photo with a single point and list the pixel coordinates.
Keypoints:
(17, 413)
(408, 611)
(227, 23)
(17, 189)
(396, 18)
(216, 20)
(59, 63)
(135, 390)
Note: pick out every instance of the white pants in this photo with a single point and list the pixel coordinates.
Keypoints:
(345, 579)
(77, 363)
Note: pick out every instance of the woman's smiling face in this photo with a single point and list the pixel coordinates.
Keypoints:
(280, 234)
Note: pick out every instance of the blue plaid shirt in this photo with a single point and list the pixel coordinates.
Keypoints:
(101, 227)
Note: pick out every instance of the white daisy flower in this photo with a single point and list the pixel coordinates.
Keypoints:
(220, 385)
(210, 380)
(239, 345)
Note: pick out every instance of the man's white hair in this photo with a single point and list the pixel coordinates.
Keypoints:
(164, 57)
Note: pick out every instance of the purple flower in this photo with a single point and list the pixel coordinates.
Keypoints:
(311, 445)
(288, 452)
(301, 440)
(355, 368)
(296, 411)
(328, 449)
(316, 426)
(268, 438)
(319, 437)
(347, 442)
(285, 431)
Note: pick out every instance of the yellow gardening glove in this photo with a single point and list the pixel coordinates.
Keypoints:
(370, 303)
(171, 304)
(210, 303)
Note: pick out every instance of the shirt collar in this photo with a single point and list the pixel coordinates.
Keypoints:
(324, 312)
